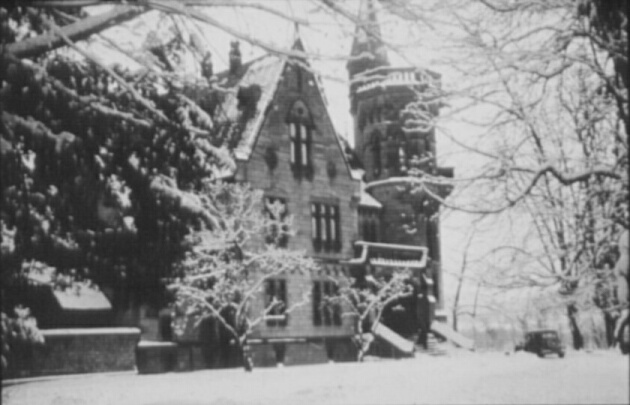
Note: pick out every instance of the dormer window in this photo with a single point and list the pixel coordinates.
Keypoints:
(300, 129)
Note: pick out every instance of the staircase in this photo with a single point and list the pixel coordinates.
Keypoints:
(388, 343)
(434, 347)
(444, 331)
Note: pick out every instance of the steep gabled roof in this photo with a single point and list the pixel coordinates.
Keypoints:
(264, 73)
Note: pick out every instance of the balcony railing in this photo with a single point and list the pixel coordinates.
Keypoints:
(410, 78)
(390, 255)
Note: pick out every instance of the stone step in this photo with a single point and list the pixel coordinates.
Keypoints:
(434, 347)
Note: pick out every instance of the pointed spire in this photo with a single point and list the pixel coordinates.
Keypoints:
(298, 45)
(297, 40)
(367, 50)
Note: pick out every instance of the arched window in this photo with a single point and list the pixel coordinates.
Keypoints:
(392, 154)
(300, 128)
(402, 158)
(376, 154)
(397, 160)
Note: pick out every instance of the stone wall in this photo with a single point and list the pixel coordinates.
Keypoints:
(70, 351)
(302, 351)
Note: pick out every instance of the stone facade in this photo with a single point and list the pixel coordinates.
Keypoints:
(328, 181)
(290, 150)
(393, 110)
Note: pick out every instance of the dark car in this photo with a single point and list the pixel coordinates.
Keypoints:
(542, 342)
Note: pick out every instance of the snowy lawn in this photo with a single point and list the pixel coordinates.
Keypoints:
(601, 377)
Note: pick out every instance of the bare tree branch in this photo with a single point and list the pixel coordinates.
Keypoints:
(80, 30)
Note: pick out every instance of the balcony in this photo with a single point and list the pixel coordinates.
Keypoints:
(390, 255)
(391, 77)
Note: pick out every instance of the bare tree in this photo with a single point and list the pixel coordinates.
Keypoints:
(224, 275)
(544, 84)
(366, 299)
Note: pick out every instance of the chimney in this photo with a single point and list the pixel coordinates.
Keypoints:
(235, 58)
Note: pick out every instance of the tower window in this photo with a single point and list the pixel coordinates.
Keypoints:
(402, 158)
(376, 155)
(369, 225)
(392, 155)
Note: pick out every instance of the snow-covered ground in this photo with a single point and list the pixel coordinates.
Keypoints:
(600, 377)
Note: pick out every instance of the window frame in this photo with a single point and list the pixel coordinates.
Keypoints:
(370, 223)
(326, 226)
(377, 161)
(278, 316)
(324, 315)
(301, 128)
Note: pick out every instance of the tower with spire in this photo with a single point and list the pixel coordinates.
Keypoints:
(393, 110)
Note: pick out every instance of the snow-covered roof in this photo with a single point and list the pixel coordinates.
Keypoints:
(82, 299)
(264, 72)
(410, 264)
(357, 174)
(367, 200)
(77, 297)
(424, 186)
(389, 77)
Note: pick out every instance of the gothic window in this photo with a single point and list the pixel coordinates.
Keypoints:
(376, 154)
(397, 160)
(276, 302)
(277, 230)
(325, 227)
(402, 158)
(326, 309)
(300, 129)
(392, 155)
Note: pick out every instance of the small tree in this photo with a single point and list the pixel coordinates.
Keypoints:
(225, 273)
(365, 300)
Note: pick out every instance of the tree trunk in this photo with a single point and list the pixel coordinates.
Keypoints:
(578, 339)
(609, 322)
(460, 282)
(246, 355)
